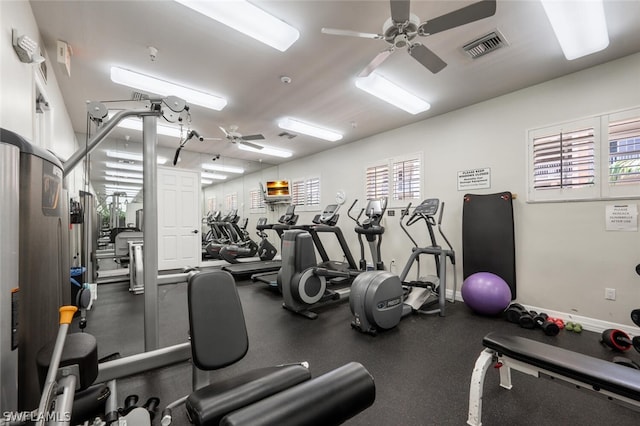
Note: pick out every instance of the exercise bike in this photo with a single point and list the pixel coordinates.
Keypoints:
(380, 299)
(304, 282)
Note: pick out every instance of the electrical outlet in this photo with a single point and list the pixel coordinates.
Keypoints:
(610, 293)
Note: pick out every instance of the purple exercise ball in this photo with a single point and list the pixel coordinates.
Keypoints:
(486, 293)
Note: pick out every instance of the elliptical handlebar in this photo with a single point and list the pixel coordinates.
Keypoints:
(349, 212)
(440, 228)
(404, 214)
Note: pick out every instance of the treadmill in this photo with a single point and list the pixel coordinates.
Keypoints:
(253, 267)
(324, 222)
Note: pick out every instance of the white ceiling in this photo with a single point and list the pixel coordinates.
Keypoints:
(204, 54)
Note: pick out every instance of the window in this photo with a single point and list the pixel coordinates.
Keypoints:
(564, 159)
(592, 159)
(231, 202)
(377, 181)
(305, 193)
(406, 179)
(256, 200)
(398, 178)
(211, 204)
(624, 151)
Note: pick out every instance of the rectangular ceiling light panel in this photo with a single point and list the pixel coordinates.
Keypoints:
(222, 168)
(117, 173)
(213, 176)
(165, 88)
(579, 26)
(267, 150)
(248, 19)
(380, 87)
(298, 126)
(124, 166)
(131, 156)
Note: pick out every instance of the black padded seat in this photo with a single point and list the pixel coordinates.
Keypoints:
(330, 399)
(207, 406)
(79, 349)
(218, 339)
(595, 372)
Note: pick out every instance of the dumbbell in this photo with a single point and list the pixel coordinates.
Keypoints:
(617, 340)
(514, 312)
(549, 328)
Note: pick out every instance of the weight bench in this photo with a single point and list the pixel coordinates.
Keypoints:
(219, 338)
(606, 378)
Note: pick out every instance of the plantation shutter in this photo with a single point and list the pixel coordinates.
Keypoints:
(313, 192)
(297, 193)
(624, 151)
(406, 179)
(564, 160)
(231, 201)
(257, 199)
(377, 181)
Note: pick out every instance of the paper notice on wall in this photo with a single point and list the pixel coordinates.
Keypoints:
(622, 217)
(474, 179)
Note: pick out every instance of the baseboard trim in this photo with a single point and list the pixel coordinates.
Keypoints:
(589, 324)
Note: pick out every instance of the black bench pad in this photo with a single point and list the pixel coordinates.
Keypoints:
(327, 400)
(208, 405)
(595, 372)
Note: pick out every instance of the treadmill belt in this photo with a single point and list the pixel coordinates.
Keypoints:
(248, 268)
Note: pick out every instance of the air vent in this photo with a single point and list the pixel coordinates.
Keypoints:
(484, 44)
(287, 135)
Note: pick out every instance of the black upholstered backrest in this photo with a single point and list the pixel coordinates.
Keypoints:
(216, 321)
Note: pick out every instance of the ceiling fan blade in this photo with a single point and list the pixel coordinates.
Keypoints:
(427, 58)
(252, 137)
(212, 139)
(474, 12)
(400, 10)
(224, 131)
(350, 33)
(252, 145)
(376, 62)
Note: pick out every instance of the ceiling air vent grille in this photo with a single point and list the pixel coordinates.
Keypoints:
(484, 45)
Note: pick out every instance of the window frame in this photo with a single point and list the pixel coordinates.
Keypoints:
(300, 194)
(602, 189)
(391, 181)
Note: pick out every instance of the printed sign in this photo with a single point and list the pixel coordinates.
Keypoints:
(622, 217)
(474, 179)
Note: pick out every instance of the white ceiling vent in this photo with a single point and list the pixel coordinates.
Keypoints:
(485, 44)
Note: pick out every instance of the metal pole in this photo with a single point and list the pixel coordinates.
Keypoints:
(103, 132)
(150, 230)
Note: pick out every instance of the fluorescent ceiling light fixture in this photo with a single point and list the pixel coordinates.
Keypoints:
(136, 124)
(380, 87)
(131, 156)
(122, 187)
(267, 150)
(222, 168)
(117, 173)
(248, 19)
(298, 126)
(206, 181)
(127, 194)
(580, 26)
(213, 176)
(165, 88)
(124, 166)
(123, 180)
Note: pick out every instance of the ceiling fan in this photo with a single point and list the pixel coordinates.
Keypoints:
(402, 27)
(234, 137)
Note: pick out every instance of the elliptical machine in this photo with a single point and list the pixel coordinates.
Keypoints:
(379, 299)
(304, 283)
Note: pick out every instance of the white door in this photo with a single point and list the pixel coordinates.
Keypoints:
(179, 240)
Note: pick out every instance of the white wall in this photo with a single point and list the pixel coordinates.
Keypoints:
(18, 88)
(564, 257)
